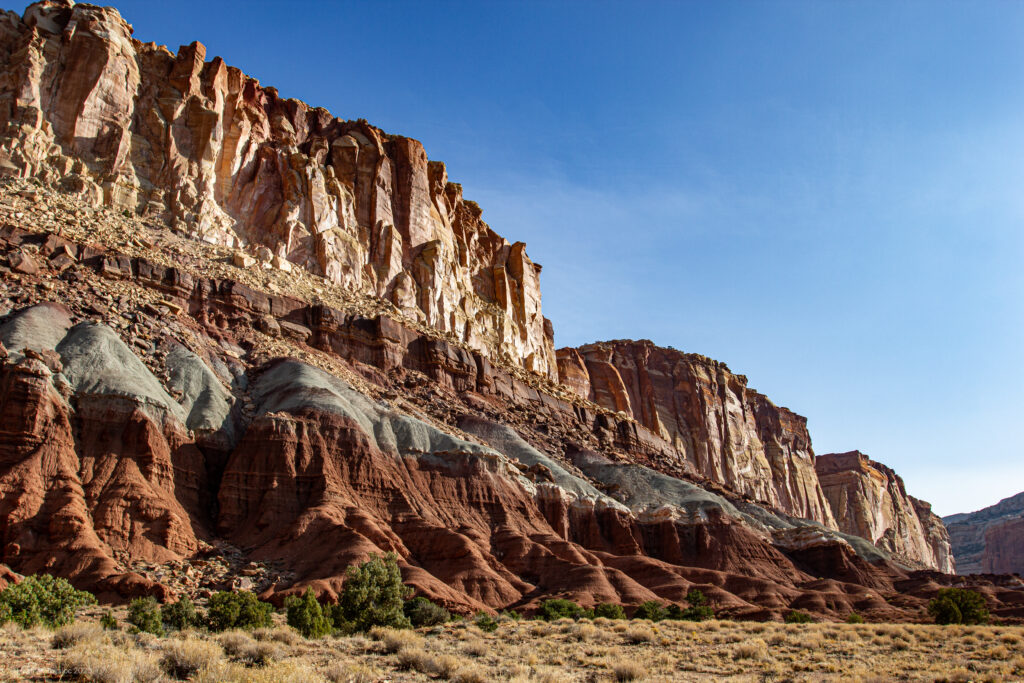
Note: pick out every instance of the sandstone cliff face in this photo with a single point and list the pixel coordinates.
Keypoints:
(990, 540)
(203, 146)
(870, 500)
(718, 427)
(216, 397)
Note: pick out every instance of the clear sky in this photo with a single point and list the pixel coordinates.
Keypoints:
(827, 196)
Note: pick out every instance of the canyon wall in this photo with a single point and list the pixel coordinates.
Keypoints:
(204, 147)
(990, 540)
(287, 340)
(871, 501)
(717, 427)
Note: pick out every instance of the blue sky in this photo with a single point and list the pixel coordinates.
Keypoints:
(827, 196)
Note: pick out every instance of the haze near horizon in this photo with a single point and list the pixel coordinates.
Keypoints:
(826, 196)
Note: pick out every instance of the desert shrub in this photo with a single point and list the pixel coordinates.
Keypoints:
(639, 634)
(797, 617)
(650, 610)
(351, 672)
(958, 606)
(609, 611)
(422, 612)
(144, 614)
(471, 674)
(238, 609)
(394, 640)
(104, 663)
(559, 608)
(108, 621)
(182, 658)
(751, 649)
(628, 671)
(373, 595)
(476, 647)
(181, 615)
(485, 622)
(279, 635)
(306, 616)
(854, 618)
(510, 614)
(72, 634)
(42, 599)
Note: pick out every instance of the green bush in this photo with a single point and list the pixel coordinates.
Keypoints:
(560, 608)
(510, 614)
(373, 595)
(238, 609)
(108, 621)
(854, 618)
(42, 599)
(958, 606)
(180, 615)
(650, 610)
(306, 616)
(609, 611)
(485, 622)
(422, 612)
(796, 617)
(144, 614)
(699, 609)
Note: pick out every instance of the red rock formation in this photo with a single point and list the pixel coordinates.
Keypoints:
(990, 540)
(69, 508)
(716, 425)
(870, 500)
(176, 424)
(205, 147)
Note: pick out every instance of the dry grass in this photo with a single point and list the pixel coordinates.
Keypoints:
(529, 652)
(628, 671)
(96, 662)
(184, 657)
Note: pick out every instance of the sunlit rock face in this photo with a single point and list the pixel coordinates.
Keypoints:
(870, 500)
(720, 428)
(203, 146)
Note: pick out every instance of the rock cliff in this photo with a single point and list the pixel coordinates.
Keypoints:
(246, 344)
(870, 500)
(715, 425)
(990, 540)
(204, 147)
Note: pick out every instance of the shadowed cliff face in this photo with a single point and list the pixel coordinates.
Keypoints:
(990, 540)
(206, 148)
(870, 500)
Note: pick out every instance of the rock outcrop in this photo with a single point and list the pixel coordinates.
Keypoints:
(284, 341)
(991, 540)
(203, 146)
(871, 501)
(716, 426)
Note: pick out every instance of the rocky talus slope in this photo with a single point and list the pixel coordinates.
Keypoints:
(870, 500)
(248, 344)
(990, 540)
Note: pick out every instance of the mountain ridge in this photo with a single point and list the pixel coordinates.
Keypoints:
(331, 355)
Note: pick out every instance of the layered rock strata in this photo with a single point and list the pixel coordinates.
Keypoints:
(990, 540)
(214, 390)
(871, 501)
(716, 426)
(203, 146)
(404, 446)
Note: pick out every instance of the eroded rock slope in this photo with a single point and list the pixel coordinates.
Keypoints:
(248, 344)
